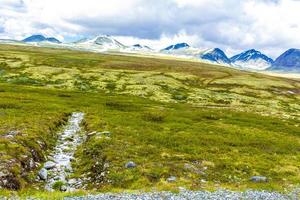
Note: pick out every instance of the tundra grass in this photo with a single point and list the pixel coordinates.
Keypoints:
(156, 79)
(207, 125)
(204, 148)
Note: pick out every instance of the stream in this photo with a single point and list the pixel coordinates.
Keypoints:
(59, 161)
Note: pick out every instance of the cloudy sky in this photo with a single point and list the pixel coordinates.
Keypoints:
(271, 26)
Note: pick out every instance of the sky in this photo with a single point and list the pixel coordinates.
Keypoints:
(270, 26)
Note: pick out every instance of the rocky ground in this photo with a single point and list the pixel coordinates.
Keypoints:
(57, 169)
(193, 195)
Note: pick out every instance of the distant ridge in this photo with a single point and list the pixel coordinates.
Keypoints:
(216, 55)
(101, 41)
(40, 38)
(252, 59)
(176, 46)
(288, 61)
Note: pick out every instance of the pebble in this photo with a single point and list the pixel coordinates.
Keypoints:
(72, 181)
(171, 179)
(257, 179)
(191, 195)
(106, 133)
(43, 174)
(130, 164)
(63, 188)
(49, 165)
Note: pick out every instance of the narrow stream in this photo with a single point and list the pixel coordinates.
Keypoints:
(59, 164)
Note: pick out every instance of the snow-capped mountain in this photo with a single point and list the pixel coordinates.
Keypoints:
(182, 50)
(176, 47)
(101, 42)
(215, 55)
(53, 39)
(288, 61)
(41, 38)
(139, 47)
(252, 59)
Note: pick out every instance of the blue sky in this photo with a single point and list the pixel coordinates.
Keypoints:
(271, 26)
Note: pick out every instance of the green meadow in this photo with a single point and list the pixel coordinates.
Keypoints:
(209, 126)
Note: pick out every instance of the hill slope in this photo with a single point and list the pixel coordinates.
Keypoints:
(206, 125)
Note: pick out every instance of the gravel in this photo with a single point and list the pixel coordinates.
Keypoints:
(60, 168)
(193, 195)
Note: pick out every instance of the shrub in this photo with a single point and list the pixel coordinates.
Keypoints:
(121, 106)
(111, 86)
(57, 185)
(154, 116)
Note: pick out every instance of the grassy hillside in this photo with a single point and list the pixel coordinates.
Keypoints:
(209, 126)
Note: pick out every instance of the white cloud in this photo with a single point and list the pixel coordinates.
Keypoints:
(268, 25)
(162, 42)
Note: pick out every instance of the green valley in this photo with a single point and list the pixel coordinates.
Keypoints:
(205, 126)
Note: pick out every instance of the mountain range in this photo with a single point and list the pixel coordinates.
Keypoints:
(41, 38)
(251, 59)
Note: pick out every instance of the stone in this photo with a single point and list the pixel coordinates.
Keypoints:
(188, 166)
(63, 188)
(68, 169)
(193, 169)
(31, 164)
(171, 179)
(13, 133)
(3, 174)
(91, 133)
(9, 136)
(43, 174)
(49, 165)
(106, 133)
(258, 179)
(72, 181)
(50, 157)
(102, 174)
(72, 159)
(130, 164)
(106, 165)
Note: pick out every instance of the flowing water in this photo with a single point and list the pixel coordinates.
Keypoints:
(68, 141)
